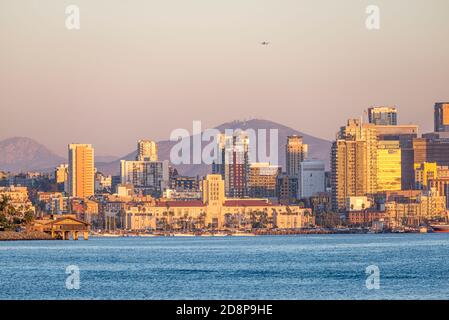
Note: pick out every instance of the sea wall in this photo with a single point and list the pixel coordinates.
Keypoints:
(32, 235)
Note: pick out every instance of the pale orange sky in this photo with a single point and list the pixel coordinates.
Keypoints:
(139, 69)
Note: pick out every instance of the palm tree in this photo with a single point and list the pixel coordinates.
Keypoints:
(4, 203)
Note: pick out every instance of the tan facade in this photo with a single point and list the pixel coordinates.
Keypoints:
(354, 162)
(147, 150)
(296, 152)
(426, 207)
(18, 199)
(214, 211)
(81, 170)
(262, 180)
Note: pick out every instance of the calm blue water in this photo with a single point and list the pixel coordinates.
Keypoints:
(412, 266)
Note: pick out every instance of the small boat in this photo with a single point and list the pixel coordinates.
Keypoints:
(243, 234)
(109, 235)
(423, 229)
(440, 228)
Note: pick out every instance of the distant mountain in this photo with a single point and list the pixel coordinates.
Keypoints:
(318, 148)
(100, 158)
(24, 154)
(20, 154)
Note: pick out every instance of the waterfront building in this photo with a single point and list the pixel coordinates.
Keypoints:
(214, 211)
(415, 208)
(233, 163)
(311, 178)
(441, 187)
(389, 167)
(441, 117)
(358, 203)
(320, 202)
(383, 116)
(295, 152)
(18, 199)
(262, 180)
(147, 150)
(61, 227)
(81, 170)
(430, 176)
(364, 218)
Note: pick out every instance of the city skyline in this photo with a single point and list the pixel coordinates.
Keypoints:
(342, 68)
(363, 115)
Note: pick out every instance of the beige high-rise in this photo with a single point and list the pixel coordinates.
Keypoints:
(295, 153)
(81, 170)
(354, 162)
(146, 150)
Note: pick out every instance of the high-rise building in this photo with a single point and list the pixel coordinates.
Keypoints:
(287, 188)
(431, 148)
(311, 178)
(387, 116)
(62, 177)
(262, 180)
(353, 163)
(405, 135)
(295, 153)
(428, 172)
(388, 165)
(81, 170)
(213, 190)
(233, 163)
(441, 117)
(147, 177)
(146, 150)
(440, 182)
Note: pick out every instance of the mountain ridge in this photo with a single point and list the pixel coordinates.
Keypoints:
(18, 154)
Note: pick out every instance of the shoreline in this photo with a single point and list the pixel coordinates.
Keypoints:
(250, 234)
(36, 235)
(17, 236)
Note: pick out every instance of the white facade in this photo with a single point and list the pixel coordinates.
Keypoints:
(147, 177)
(311, 178)
(358, 203)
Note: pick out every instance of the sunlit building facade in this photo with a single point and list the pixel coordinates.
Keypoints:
(81, 170)
(383, 115)
(353, 163)
(295, 152)
(388, 166)
(441, 117)
(147, 150)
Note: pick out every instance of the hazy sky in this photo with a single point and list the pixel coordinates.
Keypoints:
(139, 69)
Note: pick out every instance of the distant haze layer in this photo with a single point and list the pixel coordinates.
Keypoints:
(139, 69)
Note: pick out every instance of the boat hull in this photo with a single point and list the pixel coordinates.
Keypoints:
(440, 228)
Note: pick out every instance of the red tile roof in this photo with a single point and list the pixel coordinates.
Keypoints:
(247, 203)
(180, 203)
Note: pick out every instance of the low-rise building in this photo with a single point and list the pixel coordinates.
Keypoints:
(214, 211)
